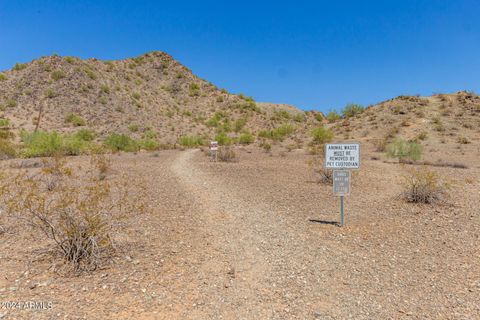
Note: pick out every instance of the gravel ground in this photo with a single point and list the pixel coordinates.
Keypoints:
(258, 239)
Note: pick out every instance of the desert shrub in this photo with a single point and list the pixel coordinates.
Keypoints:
(191, 141)
(136, 95)
(90, 74)
(101, 164)
(57, 75)
(267, 147)
(319, 117)
(321, 135)
(70, 60)
(404, 150)
(85, 135)
(223, 139)
(41, 143)
(19, 66)
(133, 127)
(300, 117)
(323, 175)
(105, 88)
(246, 138)
(149, 144)
(194, 90)
(150, 134)
(7, 149)
(226, 154)
(333, 116)
(121, 142)
(421, 185)
(3, 77)
(239, 124)
(50, 94)
(10, 103)
(48, 144)
(75, 119)
(352, 110)
(4, 123)
(77, 213)
(278, 133)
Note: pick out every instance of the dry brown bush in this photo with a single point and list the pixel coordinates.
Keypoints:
(77, 212)
(322, 175)
(421, 185)
(226, 154)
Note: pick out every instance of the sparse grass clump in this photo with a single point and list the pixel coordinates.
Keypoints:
(223, 139)
(421, 185)
(57, 75)
(7, 149)
(191, 141)
(405, 150)
(4, 123)
(133, 127)
(3, 77)
(75, 119)
(121, 142)
(10, 103)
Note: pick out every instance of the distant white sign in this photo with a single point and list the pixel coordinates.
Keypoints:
(213, 145)
(342, 156)
(341, 182)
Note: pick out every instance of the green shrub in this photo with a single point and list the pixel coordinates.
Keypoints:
(352, 110)
(70, 60)
(42, 144)
(150, 134)
(75, 119)
(136, 95)
(57, 75)
(85, 135)
(319, 117)
(246, 138)
(194, 90)
(4, 123)
(223, 139)
(11, 103)
(50, 94)
(105, 88)
(190, 141)
(90, 74)
(121, 142)
(404, 150)
(7, 149)
(3, 77)
(149, 144)
(19, 66)
(239, 124)
(133, 127)
(321, 135)
(278, 133)
(299, 117)
(333, 116)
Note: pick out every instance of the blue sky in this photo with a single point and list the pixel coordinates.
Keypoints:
(312, 54)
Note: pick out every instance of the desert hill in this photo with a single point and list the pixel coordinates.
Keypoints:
(152, 92)
(447, 125)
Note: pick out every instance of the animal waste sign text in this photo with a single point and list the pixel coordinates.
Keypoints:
(342, 156)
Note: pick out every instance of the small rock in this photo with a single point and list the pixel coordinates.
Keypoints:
(32, 286)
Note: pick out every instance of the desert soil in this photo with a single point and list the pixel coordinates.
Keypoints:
(257, 239)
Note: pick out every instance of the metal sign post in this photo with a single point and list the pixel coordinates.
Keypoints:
(213, 150)
(342, 157)
(341, 187)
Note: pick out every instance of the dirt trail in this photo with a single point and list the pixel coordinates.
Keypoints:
(254, 243)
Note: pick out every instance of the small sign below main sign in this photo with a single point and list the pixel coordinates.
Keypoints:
(341, 182)
(213, 145)
(342, 156)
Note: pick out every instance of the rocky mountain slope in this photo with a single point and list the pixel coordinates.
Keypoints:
(152, 92)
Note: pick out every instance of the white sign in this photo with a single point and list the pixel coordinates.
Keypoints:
(341, 182)
(342, 156)
(214, 145)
